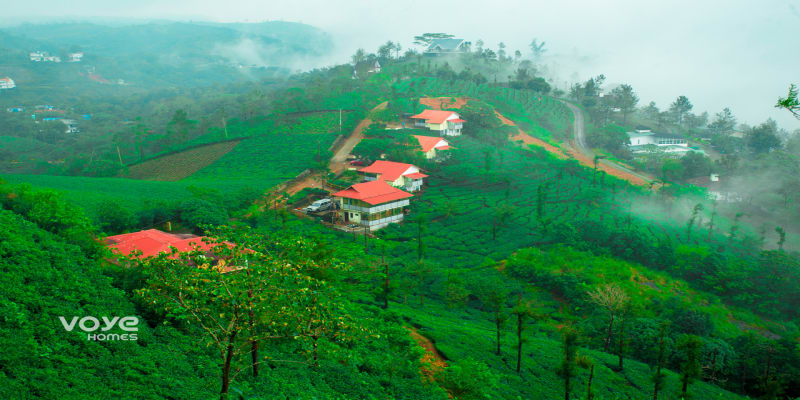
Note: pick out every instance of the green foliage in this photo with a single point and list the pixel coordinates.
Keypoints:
(468, 379)
(196, 213)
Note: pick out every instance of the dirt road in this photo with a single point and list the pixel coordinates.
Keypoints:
(338, 163)
(586, 156)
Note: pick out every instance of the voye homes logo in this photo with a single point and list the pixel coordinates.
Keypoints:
(91, 325)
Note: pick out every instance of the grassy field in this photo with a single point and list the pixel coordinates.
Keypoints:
(174, 167)
(264, 161)
(259, 162)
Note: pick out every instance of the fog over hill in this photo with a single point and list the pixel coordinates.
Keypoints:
(739, 54)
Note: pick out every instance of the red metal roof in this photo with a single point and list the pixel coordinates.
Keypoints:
(373, 192)
(434, 116)
(387, 170)
(417, 175)
(151, 242)
(457, 120)
(429, 142)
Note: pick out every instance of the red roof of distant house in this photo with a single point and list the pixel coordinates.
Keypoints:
(373, 192)
(457, 120)
(151, 242)
(5, 79)
(435, 116)
(388, 170)
(429, 142)
(417, 175)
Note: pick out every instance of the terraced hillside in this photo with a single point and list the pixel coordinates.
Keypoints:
(174, 167)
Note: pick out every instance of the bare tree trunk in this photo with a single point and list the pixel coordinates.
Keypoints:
(608, 335)
(589, 395)
(519, 342)
(497, 324)
(226, 368)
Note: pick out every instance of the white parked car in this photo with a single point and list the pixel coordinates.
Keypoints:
(319, 205)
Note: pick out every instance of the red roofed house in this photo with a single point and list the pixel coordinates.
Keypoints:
(373, 204)
(445, 122)
(7, 83)
(431, 144)
(401, 175)
(152, 242)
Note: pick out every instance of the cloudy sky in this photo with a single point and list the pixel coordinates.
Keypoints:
(741, 54)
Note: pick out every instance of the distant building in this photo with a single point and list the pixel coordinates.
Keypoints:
(447, 123)
(71, 126)
(401, 175)
(17, 109)
(75, 57)
(375, 68)
(717, 190)
(373, 204)
(432, 145)
(440, 47)
(647, 141)
(42, 56)
(7, 83)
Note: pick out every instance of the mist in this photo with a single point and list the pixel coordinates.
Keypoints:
(736, 54)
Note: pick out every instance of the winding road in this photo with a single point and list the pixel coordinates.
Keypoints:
(579, 133)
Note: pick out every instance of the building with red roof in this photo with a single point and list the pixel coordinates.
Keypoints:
(431, 145)
(447, 123)
(401, 175)
(152, 242)
(7, 83)
(372, 204)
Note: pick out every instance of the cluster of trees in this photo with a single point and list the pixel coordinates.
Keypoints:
(270, 309)
(665, 333)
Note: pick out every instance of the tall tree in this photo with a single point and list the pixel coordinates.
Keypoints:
(537, 49)
(763, 138)
(522, 311)
(791, 102)
(494, 298)
(426, 38)
(658, 376)
(679, 108)
(569, 346)
(613, 299)
(385, 50)
(691, 369)
(698, 208)
(625, 99)
(358, 57)
(724, 122)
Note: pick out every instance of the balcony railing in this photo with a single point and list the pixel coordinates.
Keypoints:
(375, 209)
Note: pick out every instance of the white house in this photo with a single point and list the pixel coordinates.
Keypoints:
(75, 57)
(42, 56)
(446, 123)
(71, 125)
(432, 145)
(401, 175)
(7, 83)
(375, 68)
(646, 141)
(439, 47)
(373, 204)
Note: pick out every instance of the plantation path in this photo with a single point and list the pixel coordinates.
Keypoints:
(438, 103)
(431, 356)
(528, 139)
(338, 163)
(583, 154)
